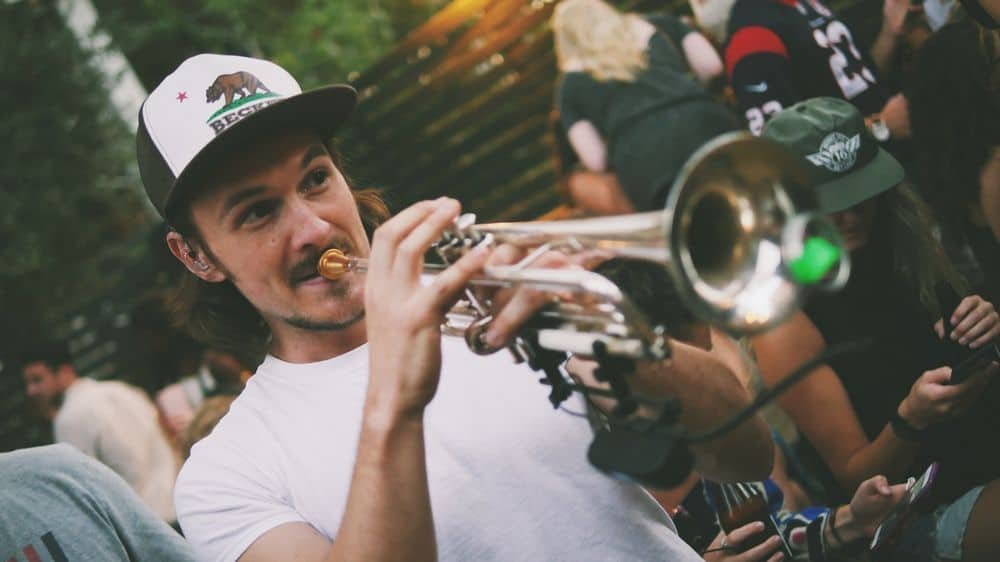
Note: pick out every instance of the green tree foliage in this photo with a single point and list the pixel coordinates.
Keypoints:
(66, 171)
(318, 41)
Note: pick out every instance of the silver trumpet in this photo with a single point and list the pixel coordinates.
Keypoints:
(740, 235)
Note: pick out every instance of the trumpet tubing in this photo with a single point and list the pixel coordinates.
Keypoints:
(739, 235)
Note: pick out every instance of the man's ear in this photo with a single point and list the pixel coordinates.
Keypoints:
(193, 258)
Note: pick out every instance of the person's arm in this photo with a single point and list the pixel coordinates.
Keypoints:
(823, 412)
(388, 512)
(760, 70)
(702, 57)
(598, 193)
(588, 145)
(709, 393)
(583, 136)
(858, 520)
(895, 114)
(893, 20)
(989, 191)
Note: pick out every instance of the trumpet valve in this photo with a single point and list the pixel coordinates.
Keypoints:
(333, 264)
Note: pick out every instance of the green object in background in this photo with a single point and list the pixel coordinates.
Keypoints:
(818, 256)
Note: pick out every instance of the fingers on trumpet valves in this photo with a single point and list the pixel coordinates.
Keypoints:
(475, 336)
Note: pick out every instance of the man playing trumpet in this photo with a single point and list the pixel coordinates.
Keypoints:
(361, 421)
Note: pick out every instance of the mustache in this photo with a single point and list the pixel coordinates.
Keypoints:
(305, 268)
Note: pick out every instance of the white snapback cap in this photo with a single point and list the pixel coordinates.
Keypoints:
(213, 103)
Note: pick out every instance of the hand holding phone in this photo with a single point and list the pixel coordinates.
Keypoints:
(975, 362)
(891, 528)
(964, 361)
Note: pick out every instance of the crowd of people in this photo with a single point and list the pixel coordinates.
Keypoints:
(365, 435)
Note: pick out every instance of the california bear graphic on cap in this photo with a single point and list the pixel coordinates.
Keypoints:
(182, 139)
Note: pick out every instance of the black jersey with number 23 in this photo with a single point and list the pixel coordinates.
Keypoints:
(783, 51)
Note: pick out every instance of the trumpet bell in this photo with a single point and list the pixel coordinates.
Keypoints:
(744, 234)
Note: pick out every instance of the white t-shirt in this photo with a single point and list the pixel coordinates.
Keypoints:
(118, 425)
(508, 475)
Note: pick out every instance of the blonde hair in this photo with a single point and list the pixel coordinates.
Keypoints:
(204, 421)
(600, 38)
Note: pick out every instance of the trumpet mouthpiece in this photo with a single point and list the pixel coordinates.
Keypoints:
(333, 264)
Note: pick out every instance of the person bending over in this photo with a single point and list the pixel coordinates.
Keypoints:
(626, 99)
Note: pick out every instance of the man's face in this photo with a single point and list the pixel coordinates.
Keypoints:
(855, 224)
(271, 212)
(43, 386)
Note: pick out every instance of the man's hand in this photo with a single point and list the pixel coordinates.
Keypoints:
(724, 548)
(511, 307)
(932, 399)
(975, 323)
(403, 316)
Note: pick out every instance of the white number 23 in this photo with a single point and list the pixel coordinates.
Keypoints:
(835, 37)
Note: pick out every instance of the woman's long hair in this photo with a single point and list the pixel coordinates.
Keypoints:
(904, 223)
(218, 315)
(600, 38)
(954, 103)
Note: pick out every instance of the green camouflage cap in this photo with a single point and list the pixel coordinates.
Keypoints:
(846, 162)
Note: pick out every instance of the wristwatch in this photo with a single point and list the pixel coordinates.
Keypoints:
(879, 129)
(904, 430)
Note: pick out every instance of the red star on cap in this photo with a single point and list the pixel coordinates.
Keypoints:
(181, 96)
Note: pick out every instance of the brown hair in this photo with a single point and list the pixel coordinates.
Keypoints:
(918, 259)
(217, 314)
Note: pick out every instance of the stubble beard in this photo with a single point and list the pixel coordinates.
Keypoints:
(351, 317)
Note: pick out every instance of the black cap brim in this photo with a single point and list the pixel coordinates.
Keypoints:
(322, 110)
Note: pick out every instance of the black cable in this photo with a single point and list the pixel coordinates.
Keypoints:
(566, 410)
(770, 394)
(586, 390)
(763, 399)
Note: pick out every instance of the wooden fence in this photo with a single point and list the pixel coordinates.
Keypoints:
(461, 107)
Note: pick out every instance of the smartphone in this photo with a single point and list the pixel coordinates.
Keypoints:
(975, 362)
(964, 361)
(891, 528)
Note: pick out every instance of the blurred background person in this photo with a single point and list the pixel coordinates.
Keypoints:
(586, 192)
(60, 505)
(110, 421)
(220, 374)
(954, 102)
(627, 100)
(780, 52)
(890, 409)
(204, 421)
